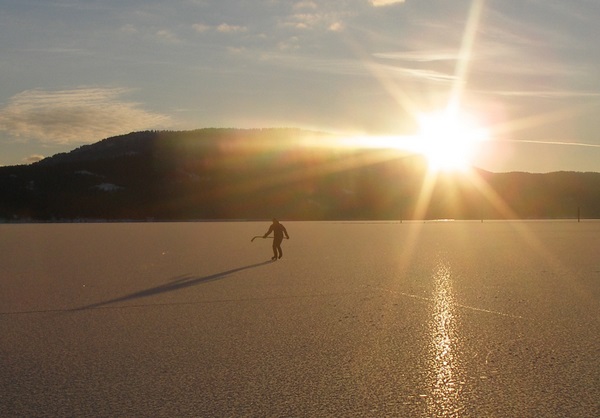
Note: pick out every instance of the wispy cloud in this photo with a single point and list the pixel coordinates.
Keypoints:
(221, 28)
(166, 35)
(302, 20)
(201, 27)
(312, 15)
(305, 4)
(548, 94)
(336, 27)
(380, 3)
(227, 28)
(129, 29)
(74, 116)
(420, 56)
(33, 158)
(357, 68)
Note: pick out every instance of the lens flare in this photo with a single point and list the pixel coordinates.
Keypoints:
(449, 140)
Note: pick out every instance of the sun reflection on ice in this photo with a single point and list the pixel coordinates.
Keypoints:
(445, 397)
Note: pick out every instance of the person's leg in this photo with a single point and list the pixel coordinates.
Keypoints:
(277, 253)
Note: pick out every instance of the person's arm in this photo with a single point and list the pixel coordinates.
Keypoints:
(286, 234)
(269, 231)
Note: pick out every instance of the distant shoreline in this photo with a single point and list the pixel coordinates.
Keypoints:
(353, 221)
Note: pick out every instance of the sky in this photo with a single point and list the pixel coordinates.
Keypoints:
(74, 72)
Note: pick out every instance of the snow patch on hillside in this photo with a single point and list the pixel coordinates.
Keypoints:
(108, 187)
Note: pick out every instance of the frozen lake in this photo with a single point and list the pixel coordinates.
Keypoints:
(437, 319)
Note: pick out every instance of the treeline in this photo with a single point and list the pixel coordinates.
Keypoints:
(261, 173)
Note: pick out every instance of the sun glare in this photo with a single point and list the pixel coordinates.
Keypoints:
(449, 140)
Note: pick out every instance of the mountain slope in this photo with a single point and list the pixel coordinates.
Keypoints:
(287, 173)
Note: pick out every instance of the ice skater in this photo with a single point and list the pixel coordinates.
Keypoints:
(278, 232)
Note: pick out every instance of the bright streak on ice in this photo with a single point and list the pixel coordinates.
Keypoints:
(444, 365)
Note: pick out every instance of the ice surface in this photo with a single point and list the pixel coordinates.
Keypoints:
(357, 319)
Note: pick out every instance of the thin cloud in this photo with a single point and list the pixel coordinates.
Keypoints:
(303, 20)
(201, 28)
(381, 3)
(33, 158)
(551, 142)
(521, 34)
(310, 15)
(548, 94)
(166, 35)
(74, 116)
(227, 28)
(336, 27)
(355, 68)
(222, 28)
(417, 74)
(585, 11)
(419, 56)
(306, 4)
(58, 50)
(129, 29)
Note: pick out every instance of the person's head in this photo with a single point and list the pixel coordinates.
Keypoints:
(275, 221)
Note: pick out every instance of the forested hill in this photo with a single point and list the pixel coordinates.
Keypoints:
(262, 173)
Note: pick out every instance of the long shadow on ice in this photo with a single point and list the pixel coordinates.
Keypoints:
(176, 284)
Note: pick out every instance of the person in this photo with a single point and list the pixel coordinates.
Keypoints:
(278, 232)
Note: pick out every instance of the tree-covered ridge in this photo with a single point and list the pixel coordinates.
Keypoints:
(260, 173)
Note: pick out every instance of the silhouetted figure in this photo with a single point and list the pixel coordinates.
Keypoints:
(278, 232)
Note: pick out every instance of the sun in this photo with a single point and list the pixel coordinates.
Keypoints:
(449, 139)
